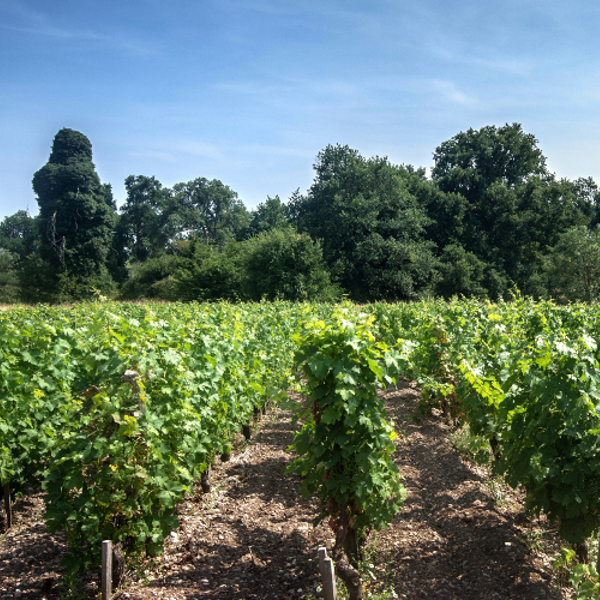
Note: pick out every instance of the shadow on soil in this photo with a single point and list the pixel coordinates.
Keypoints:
(461, 543)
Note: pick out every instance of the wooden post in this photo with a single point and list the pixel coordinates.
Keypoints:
(7, 505)
(106, 570)
(326, 565)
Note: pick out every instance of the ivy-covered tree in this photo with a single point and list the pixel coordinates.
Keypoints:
(76, 218)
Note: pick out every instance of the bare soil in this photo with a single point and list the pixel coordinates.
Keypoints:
(460, 535)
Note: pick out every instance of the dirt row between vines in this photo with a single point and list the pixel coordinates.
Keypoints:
(459, 535)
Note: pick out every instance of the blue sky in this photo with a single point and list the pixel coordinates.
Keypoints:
(249, 91)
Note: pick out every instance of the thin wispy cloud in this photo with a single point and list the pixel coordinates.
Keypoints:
(153, 155)
(172, 150)
(86, 36)
(522, 67)
(449, 92)
(289, 85)
(196, 148)
(20, 12)
(272, 150)
(36, 23)
(300, 95)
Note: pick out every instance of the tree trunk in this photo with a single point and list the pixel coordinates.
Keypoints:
(7, 505)
(246, 431)
(205, 480)
(495, 447)
(582, 552)
(345, 571)
(118, 565)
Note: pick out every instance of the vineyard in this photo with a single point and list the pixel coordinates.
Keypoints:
(116, 412)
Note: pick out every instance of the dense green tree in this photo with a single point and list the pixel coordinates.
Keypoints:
(574, 265)
(77, 219)
(209, 210)
(9, 279)
(18, 241)
(209, 273)
(471, 161)
(461, 273)
(487, 168)
(587, 198)
(142, 221)
(19, 234)
(549, 206)
(270, 214)
(282, 264)
(542, 210)
(371, 227)
(446, 211)
(508, 210)
(153, 279)
(392, 269)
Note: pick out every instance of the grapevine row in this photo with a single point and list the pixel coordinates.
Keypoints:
(525, 376)
(114, 454)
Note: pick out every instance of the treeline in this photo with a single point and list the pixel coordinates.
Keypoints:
(490, 219)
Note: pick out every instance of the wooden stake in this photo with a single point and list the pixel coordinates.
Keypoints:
(106, 570)
(7, 505)
(326, 565)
